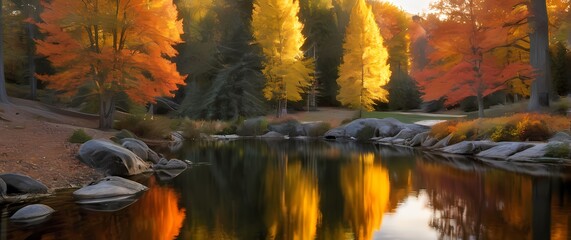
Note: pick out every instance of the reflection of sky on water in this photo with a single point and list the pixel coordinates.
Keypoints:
(409, 221)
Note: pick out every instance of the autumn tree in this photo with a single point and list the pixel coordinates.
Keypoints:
(394, 24)
(463, 62)
(364, 70)
(112, 46)
(278, 31)
(3, 95)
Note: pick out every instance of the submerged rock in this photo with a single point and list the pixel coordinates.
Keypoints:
(34, 213)
(111, 158)
(169, 169)
(108, 189)
(22, 184)
(274, 135)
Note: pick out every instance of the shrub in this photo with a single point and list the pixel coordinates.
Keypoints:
(253, 127)
(560, 107)
(319, 130)
(79, 136)
(523, 126)
(157, 127)
(192, 129)
(558, 150)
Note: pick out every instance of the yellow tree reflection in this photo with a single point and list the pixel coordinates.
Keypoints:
(292, 202)
(158, 215)
(366, 188)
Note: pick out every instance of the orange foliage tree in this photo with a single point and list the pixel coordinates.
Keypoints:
(114, 47)
(465, 44)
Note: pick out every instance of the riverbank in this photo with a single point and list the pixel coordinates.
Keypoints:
(34, 142)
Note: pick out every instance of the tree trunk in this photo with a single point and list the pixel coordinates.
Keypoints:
(106, 110)
(539, 55)
(31, 61)
(3, 95)
(480, 99)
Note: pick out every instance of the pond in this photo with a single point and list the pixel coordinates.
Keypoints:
(253, 189)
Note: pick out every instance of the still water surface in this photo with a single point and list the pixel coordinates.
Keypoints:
(251, 189)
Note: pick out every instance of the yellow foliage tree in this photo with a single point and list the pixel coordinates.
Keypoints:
(278, 31)
(364, 71)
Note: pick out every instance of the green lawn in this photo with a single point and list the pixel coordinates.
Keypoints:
(410, 117)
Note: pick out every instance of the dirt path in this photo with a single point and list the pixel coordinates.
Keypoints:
(33, 141)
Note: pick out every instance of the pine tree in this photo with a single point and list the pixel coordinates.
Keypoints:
(364, 71)
(278, 31)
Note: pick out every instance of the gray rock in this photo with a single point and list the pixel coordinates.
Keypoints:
(429, 142)
(273, 134)
(3, 188)
(140, 148)
(111, 158)
(406, 134)
(537, 151)
(386, 127)
(32, 213)
(108, 189)
(561, 137)
(167, 170)
(418, 139)
(172, 164)
(443, 142)
(22, 184)
(468, 147)
(504, 150)
(290, 128)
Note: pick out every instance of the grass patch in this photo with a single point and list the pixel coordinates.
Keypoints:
(157, 127)
(253, 127)
(518, 127)
(193, 129)
(408, 117)
(79, 136)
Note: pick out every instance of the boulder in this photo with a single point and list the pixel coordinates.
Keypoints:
(165, 164)
(140, 148)
(290, 128)
(468, 147)
(537, 151)
(108, 189)
(22, 184)
(274, 135)
(561, 137)
(418, 139)
(504, 150)
(429, 142)
(406, 134)
(111, 158)
(386, 127)
(34, 213)
(443, 142)
(169, 169)
(3, 188)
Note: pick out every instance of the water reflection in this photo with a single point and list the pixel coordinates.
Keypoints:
(365, 188)
(291, 202)
(323, 190)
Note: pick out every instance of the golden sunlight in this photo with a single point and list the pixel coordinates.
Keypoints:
(412, 6)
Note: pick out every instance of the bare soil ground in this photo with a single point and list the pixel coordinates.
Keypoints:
(33, 141)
